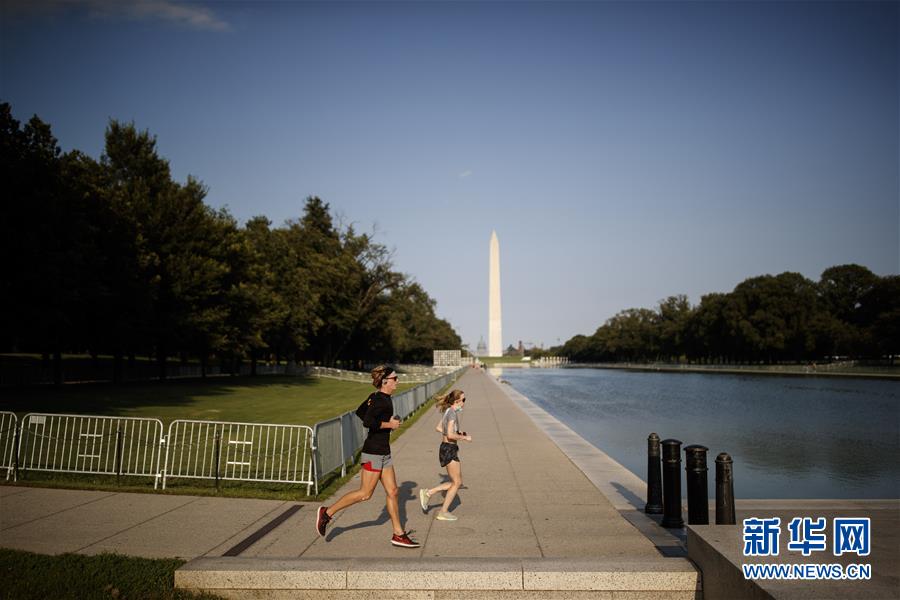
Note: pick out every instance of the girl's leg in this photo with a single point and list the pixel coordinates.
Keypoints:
(454, 469)
(439, 488)
(389, 481)
(369, 479)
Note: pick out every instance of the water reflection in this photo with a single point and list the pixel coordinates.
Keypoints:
(790, 438)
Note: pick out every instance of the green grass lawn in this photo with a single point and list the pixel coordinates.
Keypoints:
(278, 399)
(28, 576)
(263, 399)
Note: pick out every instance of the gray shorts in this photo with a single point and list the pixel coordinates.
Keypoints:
(375, 462)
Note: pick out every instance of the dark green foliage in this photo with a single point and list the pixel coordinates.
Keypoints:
(850, 312)
(114, 257)
(104, 577)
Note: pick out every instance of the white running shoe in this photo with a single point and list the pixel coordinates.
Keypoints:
(442, 516)
(423, 499)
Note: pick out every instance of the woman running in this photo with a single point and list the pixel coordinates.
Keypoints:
(376, 459)
(448, 453)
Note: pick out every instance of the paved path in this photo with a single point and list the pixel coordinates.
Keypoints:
(524, 499)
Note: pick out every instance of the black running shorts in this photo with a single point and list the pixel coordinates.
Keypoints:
(448, 452)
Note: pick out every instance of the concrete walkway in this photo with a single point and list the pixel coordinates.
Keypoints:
(530, 521)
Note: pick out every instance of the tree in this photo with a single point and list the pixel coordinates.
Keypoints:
(116, 256)
(577, 349)
(879, 315)
(347, 273)
(180, 246)
(841, 290)
(265, 275)
(405, 327)
(631, 335)
(674, 315)
(92, 253)
(43, 232)
(708, 334)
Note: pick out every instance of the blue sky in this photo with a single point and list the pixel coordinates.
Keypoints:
(623, 152)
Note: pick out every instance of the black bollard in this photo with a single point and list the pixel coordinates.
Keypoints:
(671, 463)
(724, 490)
(697, 490)
(654, 477)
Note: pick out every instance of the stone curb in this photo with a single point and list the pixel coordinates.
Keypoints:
(670, 574)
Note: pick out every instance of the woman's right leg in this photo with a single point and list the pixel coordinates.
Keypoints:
(454, 469)
(369, 479)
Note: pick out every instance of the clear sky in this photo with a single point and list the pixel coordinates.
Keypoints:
(623, 152)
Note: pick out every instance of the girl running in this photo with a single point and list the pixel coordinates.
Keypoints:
(448, 452)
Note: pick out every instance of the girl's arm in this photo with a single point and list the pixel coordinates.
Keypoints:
(452, 425)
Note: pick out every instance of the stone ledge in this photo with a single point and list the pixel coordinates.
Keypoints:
(673, 574)
(427, 574)
(435, 574)
(262, 574)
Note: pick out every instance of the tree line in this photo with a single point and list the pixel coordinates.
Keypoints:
(113, 257)
(849, 312)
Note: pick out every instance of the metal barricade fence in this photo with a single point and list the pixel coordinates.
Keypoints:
(90, 444)
(338, 439)
(104, 445)
(418, 375)
(240, 452)
(329, 444)
(9, 433)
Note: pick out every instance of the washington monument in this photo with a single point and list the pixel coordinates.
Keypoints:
(495, 337)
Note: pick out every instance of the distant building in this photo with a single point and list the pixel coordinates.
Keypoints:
(481, 349)
(447, 358)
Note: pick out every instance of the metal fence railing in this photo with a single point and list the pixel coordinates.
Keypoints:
(223, 450)
(408, 373)
(339, 438)
(90, 444)
(219, 450)
(9, 433)
(19, 373)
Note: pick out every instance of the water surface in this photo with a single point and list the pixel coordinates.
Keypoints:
(790, 437)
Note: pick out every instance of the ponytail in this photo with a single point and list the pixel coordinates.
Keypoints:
(379, 373)
(442, 403)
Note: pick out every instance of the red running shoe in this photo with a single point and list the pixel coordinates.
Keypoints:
(322, 520)
(404, 541)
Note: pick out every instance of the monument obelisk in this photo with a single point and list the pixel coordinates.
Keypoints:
(495, 338)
